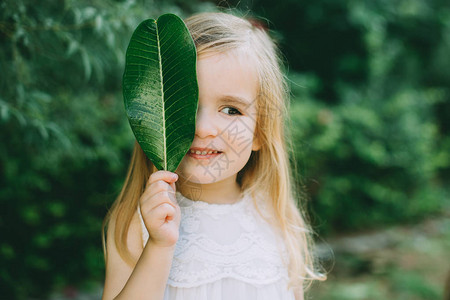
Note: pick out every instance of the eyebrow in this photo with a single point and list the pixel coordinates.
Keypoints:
(234, 100)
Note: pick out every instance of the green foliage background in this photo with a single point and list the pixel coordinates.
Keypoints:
(370, 112)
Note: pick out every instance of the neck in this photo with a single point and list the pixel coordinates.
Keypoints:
(226, 191)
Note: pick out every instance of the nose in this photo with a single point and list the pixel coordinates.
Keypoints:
(205, 125)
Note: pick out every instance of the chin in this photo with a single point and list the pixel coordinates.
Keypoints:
(200, 177)
(199, 174)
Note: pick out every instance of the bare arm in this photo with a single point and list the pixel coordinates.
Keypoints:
(147, 279)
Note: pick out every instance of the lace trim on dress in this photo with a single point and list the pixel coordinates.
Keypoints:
(251, 259)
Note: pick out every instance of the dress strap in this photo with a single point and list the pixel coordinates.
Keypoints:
(145, 234)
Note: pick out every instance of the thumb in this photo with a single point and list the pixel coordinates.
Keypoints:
(172, 184)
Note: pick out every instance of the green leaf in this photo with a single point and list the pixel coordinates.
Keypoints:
(160, 89)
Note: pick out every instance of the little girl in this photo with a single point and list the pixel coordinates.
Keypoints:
(225, 225)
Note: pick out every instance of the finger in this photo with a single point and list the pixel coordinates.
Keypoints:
(160, 181)
(149, 203)
(163, 212)
(158, 187)
(167, 176)
(173, 186)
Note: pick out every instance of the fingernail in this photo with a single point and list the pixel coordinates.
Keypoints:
(175, 176)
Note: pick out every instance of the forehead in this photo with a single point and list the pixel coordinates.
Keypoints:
(225, 74)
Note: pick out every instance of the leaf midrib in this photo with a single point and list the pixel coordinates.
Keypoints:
(162, 96)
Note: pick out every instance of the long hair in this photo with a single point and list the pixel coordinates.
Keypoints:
(268, 171)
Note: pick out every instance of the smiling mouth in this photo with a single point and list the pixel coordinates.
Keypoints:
(203, 154)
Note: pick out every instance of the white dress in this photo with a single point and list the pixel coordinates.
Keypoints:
(226, 252)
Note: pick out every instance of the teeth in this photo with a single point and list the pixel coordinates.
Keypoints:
(203, 152)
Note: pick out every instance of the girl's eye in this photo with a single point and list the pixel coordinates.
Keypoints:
(233, 110)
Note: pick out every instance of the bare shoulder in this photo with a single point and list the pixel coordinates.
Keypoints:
(118, 270)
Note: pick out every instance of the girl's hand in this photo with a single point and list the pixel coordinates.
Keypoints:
(160, 209)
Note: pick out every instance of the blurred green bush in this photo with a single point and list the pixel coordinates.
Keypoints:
(371, 121)
(369, 162)
(381, 153)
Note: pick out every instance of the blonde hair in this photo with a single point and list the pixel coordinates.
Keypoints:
(268, 170)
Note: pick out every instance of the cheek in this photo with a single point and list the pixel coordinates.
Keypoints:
(239, 135)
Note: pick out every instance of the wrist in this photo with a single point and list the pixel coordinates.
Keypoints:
(163, 253)
(161, 247)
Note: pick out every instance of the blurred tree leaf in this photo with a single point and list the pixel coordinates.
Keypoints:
(160, 89)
